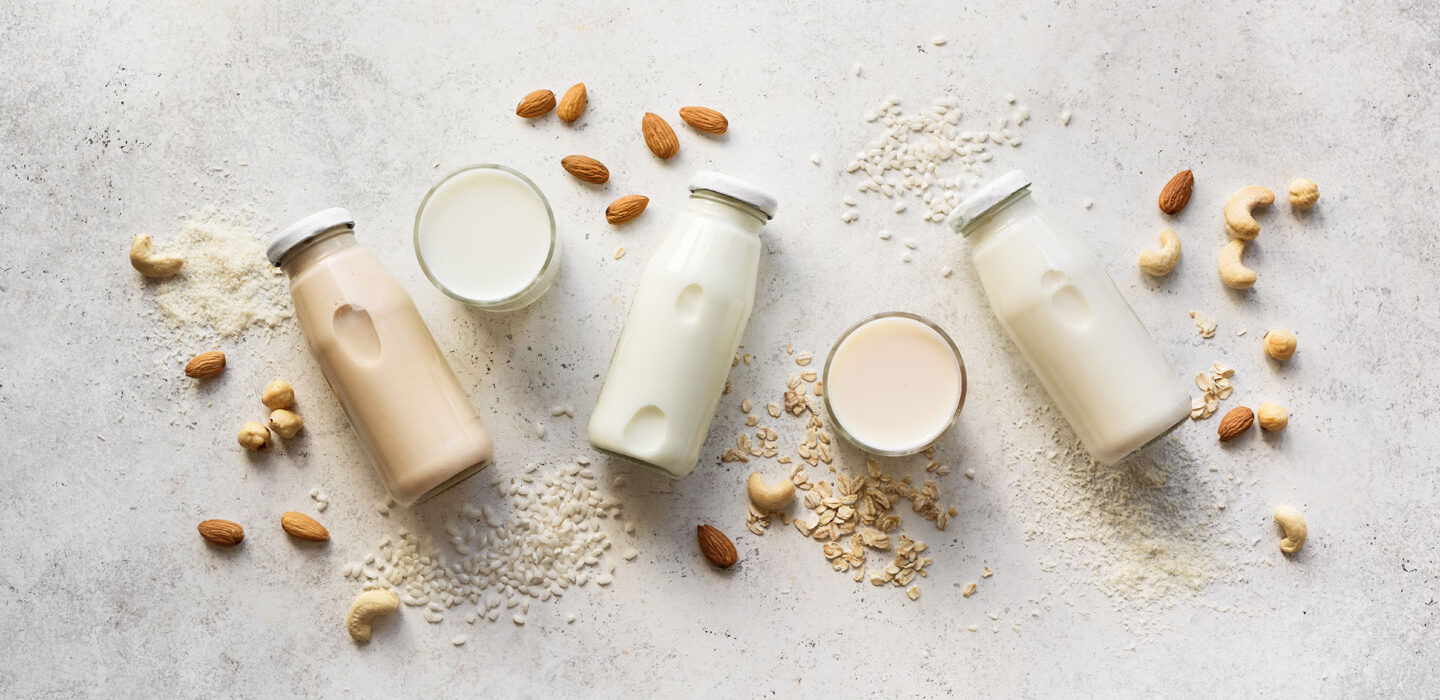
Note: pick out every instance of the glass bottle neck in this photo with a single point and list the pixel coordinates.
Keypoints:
(742, 214)
(1018, 204)
(320, 246)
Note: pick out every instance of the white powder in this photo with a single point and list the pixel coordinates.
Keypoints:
(1145, 532)
(226, 287)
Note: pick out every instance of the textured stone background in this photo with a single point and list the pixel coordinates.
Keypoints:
(117, 117)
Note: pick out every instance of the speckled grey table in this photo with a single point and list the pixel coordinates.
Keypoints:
(117, 117)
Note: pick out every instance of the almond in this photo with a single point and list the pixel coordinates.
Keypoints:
(586, 169)
(705, 119)
(626, 208)
(1235, 423)
(716, 547)
(536, 104)
(206, 365)
(222, 532)
(572, 103)
(1176, 193)
(659, 136)
(304, 527)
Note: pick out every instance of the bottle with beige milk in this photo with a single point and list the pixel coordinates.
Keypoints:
(690, 309)
(1069, 322)
(380, 359)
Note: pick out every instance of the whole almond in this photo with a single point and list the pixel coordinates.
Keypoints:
(572, 103)
(586, 169)
(659, 136)
(626, 208)
(302, 526)
(1177, 191)
(206, 365)
(536, 104)
(716, 547)
(222, 532)
(1235, 423)
(705, 119)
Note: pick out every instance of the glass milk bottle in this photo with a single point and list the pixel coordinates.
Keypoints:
(1069, 322)
(689, 311)
(379, 358)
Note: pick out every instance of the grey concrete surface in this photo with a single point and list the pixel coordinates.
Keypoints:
(116, 117)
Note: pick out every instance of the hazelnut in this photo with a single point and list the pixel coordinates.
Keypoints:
(1272, 417)
(278, 394)
(285, 423)
(1279, 345)
(1303, 193)
(254, 436)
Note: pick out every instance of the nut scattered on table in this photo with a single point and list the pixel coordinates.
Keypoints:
(206, 365)
(769, 498)
(1292, 521)
(304, 527)
(285, 423)
(1158, 263)
(365, 608)
(716, 547)
(572, 103)
(1272, 417)
(659, 137)
(254, 436)
(1235, 423)
(586, 169)
(626, 209)
(222, 532)
(1239, 220)
(1303, 193)
(1176, 193)
(536, 104)
(705, 119)
(1279, 345)
(278, 394)
(149, 263)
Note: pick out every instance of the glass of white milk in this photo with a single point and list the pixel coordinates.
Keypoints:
(894, 383)
(485, 235)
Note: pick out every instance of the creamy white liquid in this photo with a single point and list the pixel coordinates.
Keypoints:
(894, 384)
(1080, 336)
(669, 367)
(484, 234)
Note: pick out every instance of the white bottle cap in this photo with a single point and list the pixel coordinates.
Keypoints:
(306, 229)
(980, 203)
(735, 188)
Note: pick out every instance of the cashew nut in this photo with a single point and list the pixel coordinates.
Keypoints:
(1239, 222)
(1158, 263)
(1303, 193)
(767, 498)
(1292, 521)
(144, 259)
(366, 606)
(1232, 272)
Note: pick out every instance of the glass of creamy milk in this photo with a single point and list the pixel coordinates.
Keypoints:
(485, 235)
(894, 383)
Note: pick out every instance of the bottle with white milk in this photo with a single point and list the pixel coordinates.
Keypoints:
(1070, 323)
(690, 309)
(379, 358)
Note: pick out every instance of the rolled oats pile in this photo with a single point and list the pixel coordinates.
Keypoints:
(1216, 387)
(855, 514)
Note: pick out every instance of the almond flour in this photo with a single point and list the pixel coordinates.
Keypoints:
(226, 287)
